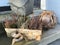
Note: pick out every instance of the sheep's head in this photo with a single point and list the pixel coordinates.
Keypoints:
(46, 16)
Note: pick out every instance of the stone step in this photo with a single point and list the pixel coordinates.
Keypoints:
(50, 35)
(2, 30)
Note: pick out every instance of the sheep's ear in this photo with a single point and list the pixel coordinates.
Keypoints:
(54, 19)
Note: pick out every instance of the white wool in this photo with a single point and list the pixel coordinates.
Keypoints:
(13, 34)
